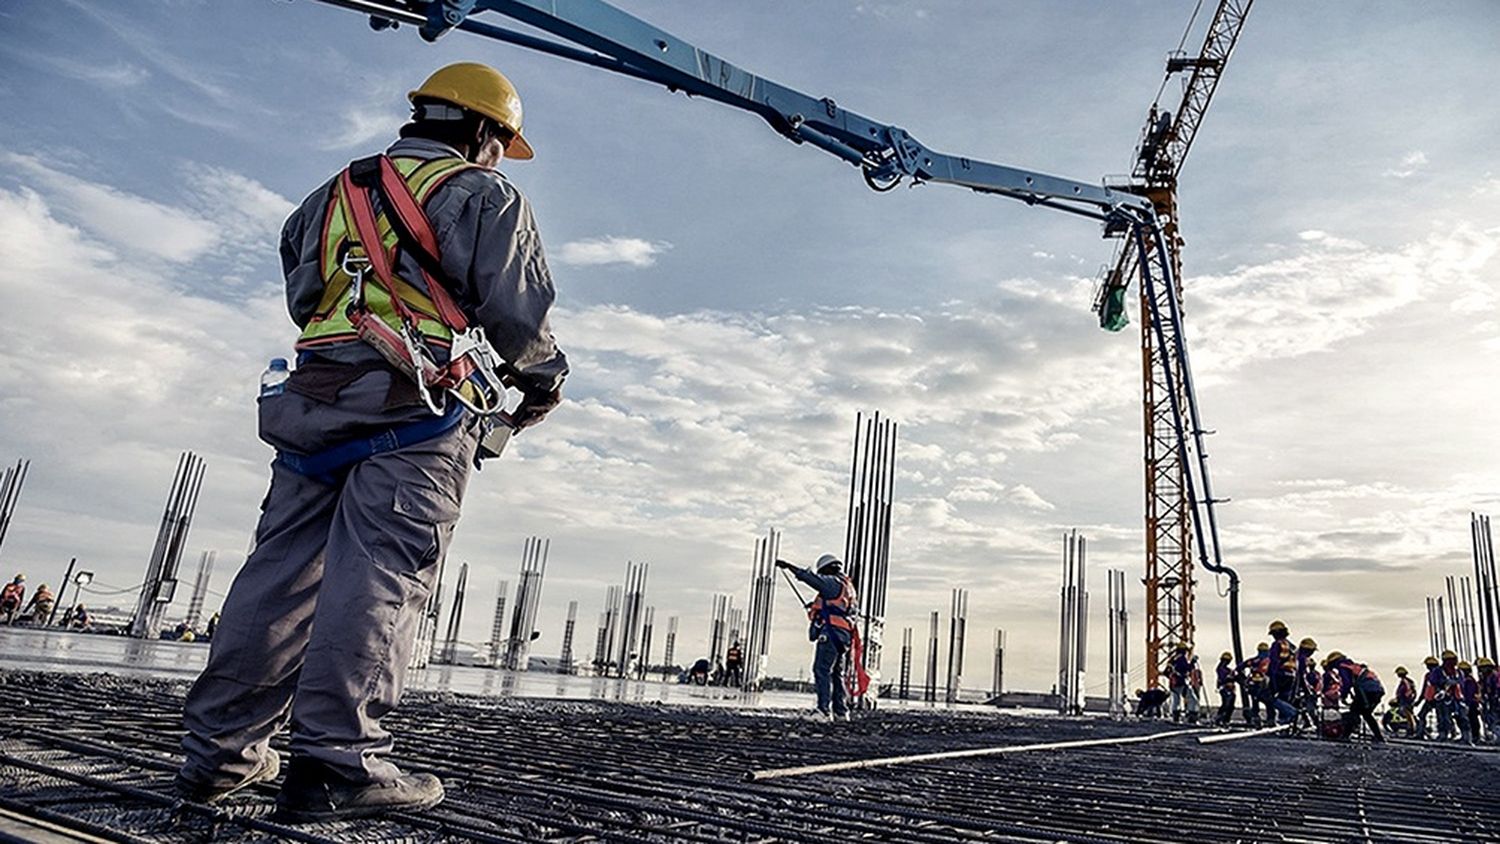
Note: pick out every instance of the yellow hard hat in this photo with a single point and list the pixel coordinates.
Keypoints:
(1447, 655)
(1263, 646)
(1333, 656)
(482, 89)
(1308, 643)
(1401, 670)
(1430, 661)
(1485, 662)
(1226, 655)
(1276, 625)
(1464, 666)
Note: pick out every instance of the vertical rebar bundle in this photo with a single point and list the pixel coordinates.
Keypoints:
(762, 601)
(997, 684)
(632, 613)
(565, 657)
(528, 598)
(867, 533)
(1485, 584)
(609, 623)
(1073, 633)
(426, 648)
(903, 688)
(497, 626)
(929, 690)
(200, 589)
(10, 493)
(958, 621)
(670, 653)
(1119, 638)
(643, 664)
(160, 585)
(1454, 618)
(718, 627)
(455, 617)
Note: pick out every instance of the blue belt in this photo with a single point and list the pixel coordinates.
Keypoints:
(325, 466)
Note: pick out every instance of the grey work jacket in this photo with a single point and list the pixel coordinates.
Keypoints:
(491, 253)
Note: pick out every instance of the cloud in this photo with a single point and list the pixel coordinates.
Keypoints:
(1410, 164)
(129, 222)
(596, 251)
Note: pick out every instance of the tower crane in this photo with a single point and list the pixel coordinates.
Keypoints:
(1143, 212)
(1171, 512)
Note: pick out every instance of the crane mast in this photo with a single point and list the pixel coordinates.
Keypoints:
(1169, 504)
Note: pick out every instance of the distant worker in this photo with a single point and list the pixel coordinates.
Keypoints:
(698, 673)
(1361, 687)
(1308, 682)
(1431, 682)
(1180, 683)
(1402, 714)
(1227, 682)
(1453, 715)
(1253, 674)
(39, 608)
(1489, 697)
(12, 596)
(1281, 680)
(1469, 690)
(210, 627)
(734, 666)
(831, 625)
(77, 618)
(391, 265)
(1148, 702)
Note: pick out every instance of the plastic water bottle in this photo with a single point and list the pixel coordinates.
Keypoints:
(273, 380)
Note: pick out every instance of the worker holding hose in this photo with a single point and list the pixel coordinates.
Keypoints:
(1361, 687)
(418, 280)
(831, 625)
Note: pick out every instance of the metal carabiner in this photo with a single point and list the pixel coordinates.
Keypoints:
(473, 344)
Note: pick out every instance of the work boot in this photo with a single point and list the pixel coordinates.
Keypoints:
(198, 792)
(313, 792)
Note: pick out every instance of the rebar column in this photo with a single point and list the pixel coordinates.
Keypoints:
(632, 609)
(903, 687)
(762, 601)
(1073, 626)
(643, 663)
(455, 617)
(200, 589)
(718, 627)
(997, 681)
(565, 657)
(160, 584)
(427, 625)
(867, 533)
(528, 598)
(929, 691)
(1119, 638)
(10, 493)
(670, 652)
(958, 620)
(497, 626)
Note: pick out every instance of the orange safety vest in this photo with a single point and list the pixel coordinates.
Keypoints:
(12, 593)
(836, 612)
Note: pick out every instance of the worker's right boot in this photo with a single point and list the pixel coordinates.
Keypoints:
(313, 792)
(200, 792)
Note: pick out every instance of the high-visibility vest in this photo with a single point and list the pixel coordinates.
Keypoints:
(836, 612)
(330, 322)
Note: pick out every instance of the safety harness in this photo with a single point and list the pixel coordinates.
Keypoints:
(359, 256)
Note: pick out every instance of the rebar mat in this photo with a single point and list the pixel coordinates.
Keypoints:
(97, 753)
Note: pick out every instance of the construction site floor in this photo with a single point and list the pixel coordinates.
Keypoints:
(94, 755)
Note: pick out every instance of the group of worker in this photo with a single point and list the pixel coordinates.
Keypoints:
(15, 609)
(1466, 703)
(1282, 684)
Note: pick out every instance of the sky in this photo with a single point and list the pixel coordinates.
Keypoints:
(730, 301)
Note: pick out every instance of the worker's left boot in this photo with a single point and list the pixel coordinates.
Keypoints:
(198, 792)
(313, 792)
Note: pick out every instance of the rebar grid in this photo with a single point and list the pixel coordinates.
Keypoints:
(98, 752)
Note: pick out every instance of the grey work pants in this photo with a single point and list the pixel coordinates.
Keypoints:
(828, 677)
(320, 623)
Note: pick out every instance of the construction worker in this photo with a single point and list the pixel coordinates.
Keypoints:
(390, 266)
(1469, 691)
(1453, 715)
(1308, 680)
(734, 665)
(1489, 697)
(1431, 683)
(1281, 680)
(77, 618)
(1226, 680)
(1401, 715)
(1180, 683)
(1149, 702)
(1361, 687)
(39, 608)
(11, 597)
(1253, 675)
(830, 617)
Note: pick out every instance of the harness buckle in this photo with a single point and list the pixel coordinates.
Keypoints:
(473, 344)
